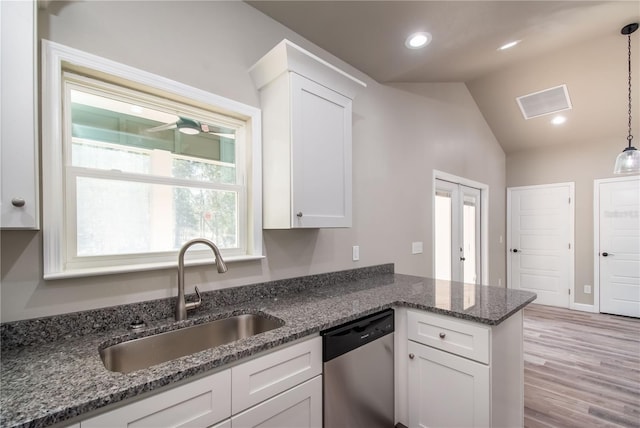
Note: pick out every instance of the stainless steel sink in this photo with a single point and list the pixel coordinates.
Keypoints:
(147, 351)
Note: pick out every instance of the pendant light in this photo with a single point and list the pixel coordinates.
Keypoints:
(628, 162)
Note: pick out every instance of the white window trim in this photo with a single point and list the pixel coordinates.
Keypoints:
(54, 56)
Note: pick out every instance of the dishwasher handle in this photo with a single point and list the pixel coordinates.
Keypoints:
(347, 337)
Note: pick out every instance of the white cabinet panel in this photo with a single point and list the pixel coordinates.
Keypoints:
(197, 404)
(299, 407)
(446, 390)
(264, 377)
(19, 200)
(321, 155)
(224, 424)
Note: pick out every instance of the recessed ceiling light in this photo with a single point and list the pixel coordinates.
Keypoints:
(509, 45)
(418, 40)
(558, 120)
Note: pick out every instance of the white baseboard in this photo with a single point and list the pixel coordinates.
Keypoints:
(583, 307)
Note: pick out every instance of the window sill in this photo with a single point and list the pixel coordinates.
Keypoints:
(98, 271)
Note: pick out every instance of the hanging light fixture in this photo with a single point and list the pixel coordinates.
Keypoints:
(628, 161)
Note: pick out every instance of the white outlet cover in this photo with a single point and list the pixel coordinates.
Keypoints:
(416, 248)
(356, 253)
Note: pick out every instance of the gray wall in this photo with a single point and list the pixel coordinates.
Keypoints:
(400, 134)
(580, 164)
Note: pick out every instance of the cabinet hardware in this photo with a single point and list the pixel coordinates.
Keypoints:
(411, 356)
(442, 335)
(299, 214)
(18, 202)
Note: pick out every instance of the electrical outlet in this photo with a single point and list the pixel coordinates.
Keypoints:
(356, 253)
(416, 248)
(499, 282)
(587, 289)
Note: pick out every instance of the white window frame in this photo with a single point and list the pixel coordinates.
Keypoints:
(56, 59)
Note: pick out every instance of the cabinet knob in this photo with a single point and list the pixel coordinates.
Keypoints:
(442, 335)
(411, 356)
(299, 214)
(18, 202)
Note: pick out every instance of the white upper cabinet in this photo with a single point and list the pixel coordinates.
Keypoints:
(306, 146)
(19, 199)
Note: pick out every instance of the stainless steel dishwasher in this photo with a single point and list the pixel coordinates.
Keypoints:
(358, 373)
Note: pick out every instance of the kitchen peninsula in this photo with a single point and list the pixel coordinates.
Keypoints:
(52, 372)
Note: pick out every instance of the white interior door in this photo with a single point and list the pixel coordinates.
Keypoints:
(618, 245)
(540, 241)
(457, 232)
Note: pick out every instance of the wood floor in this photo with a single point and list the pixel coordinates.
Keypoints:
(580, 369)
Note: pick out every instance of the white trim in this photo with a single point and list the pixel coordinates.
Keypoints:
(54, 55)
(583, 307)
(572, 196)
(78, 273)
(596, 232)
(484, 217)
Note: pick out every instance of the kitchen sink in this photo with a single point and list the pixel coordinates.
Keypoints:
(147, 351)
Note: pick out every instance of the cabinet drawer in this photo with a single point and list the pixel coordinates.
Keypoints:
(264, 377)
(455, 336)
(200, 403)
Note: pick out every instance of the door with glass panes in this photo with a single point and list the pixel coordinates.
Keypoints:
(457, 232)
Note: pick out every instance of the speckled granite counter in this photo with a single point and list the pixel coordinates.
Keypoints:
(51, 369)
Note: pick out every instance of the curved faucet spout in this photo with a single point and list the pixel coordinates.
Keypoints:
(181, 306)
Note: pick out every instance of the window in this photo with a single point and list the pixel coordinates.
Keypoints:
(135, 170)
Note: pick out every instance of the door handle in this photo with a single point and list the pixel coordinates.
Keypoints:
(514, 250)
(462, 259)
(605, 254)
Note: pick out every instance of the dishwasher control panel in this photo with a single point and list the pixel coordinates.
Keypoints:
(346, 337)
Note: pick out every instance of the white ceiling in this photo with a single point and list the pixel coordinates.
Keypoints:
(577, 43)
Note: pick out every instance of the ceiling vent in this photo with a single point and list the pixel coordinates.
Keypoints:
(549, 101)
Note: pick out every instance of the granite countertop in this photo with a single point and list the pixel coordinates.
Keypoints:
(51, 370)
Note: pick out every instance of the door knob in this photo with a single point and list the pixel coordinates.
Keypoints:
(299, 214)
(462, 259)
(605, 254)
(411, 356)
(515, 250)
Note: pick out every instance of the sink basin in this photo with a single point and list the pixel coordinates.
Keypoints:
(147, 351)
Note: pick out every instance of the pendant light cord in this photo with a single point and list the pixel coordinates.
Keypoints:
(629, 137)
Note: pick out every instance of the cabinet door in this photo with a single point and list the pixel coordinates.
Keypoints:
(18, 143)
(197, 404)
(299, 407)
(320, 155)
(446, 390)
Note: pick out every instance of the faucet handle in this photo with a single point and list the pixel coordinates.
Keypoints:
(197, 303)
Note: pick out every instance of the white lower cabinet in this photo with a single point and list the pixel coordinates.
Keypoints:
(446, 390)
(282, 388)
(463, 374)
(299, 407)
(203, 402)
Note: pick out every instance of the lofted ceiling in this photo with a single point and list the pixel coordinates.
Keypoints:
(577, 43)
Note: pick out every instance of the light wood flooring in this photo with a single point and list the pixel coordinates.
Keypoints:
(580, 369)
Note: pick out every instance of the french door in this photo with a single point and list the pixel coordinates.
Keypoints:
(457, 232)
